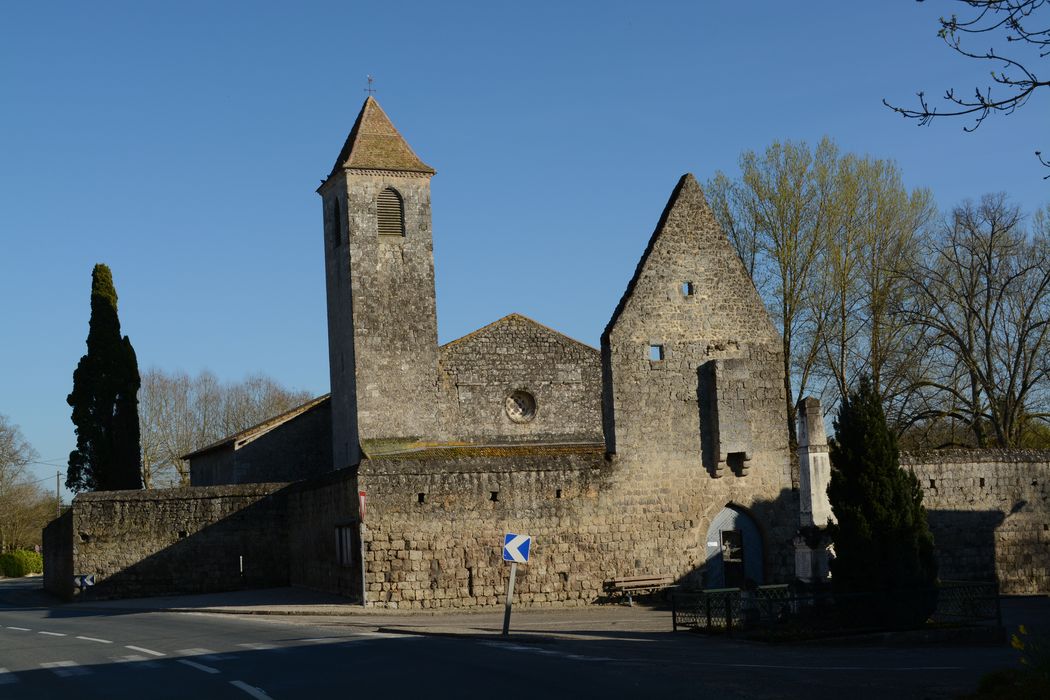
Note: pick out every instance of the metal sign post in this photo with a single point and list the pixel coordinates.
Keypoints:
(510, 596)
(516, 551)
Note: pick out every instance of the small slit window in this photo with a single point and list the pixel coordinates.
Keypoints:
(336, 224)
(344, 545)
(390, 211)
(686, 289)
(656, 353)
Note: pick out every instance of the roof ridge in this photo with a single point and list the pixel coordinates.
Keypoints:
(523, 317)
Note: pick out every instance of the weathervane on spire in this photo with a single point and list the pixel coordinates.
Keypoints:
(370, 90)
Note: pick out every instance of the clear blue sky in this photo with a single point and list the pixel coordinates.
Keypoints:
(181, 143)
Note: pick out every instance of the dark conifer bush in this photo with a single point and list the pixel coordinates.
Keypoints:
(105, 400)
(882, 541)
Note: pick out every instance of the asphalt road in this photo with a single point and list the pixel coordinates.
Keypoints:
(62, 651)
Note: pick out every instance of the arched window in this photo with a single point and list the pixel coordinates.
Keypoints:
(390, 210)
(335, 222)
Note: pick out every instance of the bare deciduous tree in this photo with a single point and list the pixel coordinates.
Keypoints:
(1022, 28)
(180, 414)
(984, 297)
(25, 507)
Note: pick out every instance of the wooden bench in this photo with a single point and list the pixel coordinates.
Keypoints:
(630, 585)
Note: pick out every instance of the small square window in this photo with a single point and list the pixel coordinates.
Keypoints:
(687, 289)
(421, 498)
(656, 353)
(493, 496)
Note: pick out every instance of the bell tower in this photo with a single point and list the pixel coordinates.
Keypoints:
(379, 265)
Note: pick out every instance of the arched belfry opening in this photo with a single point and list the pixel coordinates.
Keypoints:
(390, 213)
(734, 550)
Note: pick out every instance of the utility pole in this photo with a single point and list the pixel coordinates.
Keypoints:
(58, 495)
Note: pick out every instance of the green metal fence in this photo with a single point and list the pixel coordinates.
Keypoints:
(733, 609)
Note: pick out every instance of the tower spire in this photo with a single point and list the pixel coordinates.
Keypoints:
(374, 144)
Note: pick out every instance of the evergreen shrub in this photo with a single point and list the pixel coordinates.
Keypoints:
(883, 544)
(20, 562)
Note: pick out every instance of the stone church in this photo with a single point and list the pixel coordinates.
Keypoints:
(665, 451)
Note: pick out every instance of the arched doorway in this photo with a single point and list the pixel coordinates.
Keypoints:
(734, 550)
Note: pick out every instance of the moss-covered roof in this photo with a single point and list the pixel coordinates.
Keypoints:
(374, 144)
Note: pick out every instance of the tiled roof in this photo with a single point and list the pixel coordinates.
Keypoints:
(374, 144)
(516, 318)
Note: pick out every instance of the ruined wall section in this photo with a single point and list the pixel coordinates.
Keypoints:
(989, 511)
(516, 380)
(689, 337)
(184, 540)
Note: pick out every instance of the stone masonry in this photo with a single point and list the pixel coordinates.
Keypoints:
(182, 540)
(989, 512)
(654, 455)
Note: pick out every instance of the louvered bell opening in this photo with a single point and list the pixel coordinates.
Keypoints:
(391, 214)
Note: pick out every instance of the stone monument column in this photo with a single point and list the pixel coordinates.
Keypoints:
(811, 542)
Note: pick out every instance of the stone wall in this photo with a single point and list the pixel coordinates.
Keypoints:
(58, 555)
(989, 511)
(316, 509)
(482, 370)
(184, 540)
(435, 524)
(436, 520)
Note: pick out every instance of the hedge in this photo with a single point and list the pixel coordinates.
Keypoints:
(20, 562)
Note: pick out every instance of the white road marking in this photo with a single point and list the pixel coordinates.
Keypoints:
(53, 634)
(144, 650)
(258, 646)
(256, 693)
(94, 639)
(7, 677)
(20, 629)
(63, 669)
(838, 668)
(206, 654)
(545, 652)
(139, 660)
(787, 667)
(199, 667)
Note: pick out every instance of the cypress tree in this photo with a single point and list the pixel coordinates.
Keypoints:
(105, 400)
(882, 539)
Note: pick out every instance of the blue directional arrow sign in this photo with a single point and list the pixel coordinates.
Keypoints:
(516, 548)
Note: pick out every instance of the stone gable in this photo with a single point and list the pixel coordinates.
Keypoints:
(557, 378)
